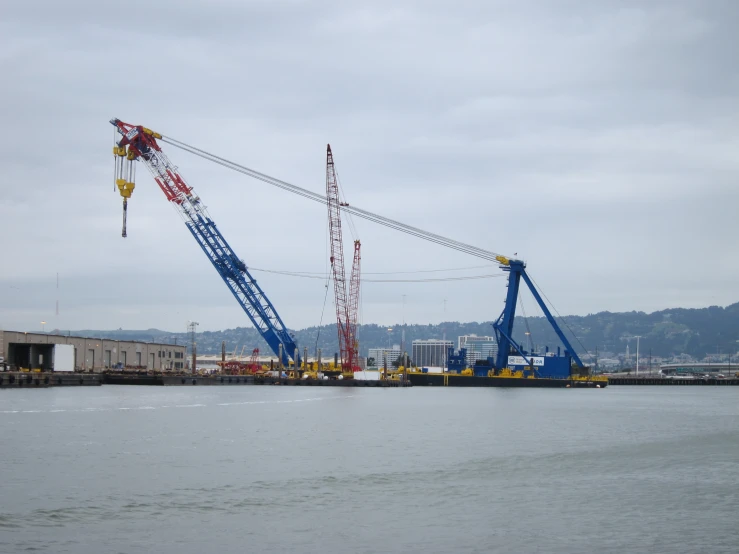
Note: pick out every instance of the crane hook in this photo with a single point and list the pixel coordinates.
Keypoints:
(125, 209)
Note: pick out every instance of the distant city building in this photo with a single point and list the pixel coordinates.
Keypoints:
(381, 355)
(478, 348)
(430, 352)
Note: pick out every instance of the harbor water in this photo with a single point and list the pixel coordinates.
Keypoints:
(291, 469)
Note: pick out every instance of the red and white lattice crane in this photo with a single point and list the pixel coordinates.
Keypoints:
(347, 307)
(254, 365)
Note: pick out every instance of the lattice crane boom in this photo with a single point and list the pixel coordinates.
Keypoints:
(354, 306)
(343, 323)
(140, 143)
(254, 361)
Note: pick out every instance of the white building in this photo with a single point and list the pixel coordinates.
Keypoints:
(384, 355)
(478, 348)
(431, 352)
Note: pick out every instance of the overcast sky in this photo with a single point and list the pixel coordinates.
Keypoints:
(596, 140)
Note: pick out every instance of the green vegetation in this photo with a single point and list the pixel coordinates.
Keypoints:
(696, 332)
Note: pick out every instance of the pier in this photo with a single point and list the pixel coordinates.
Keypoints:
(672, 381)
(27, 379)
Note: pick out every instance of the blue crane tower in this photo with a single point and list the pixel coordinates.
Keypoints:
(549, 366)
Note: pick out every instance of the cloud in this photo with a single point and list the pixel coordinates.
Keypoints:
(596, 140)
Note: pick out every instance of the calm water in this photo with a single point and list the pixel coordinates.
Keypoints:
(277, 469)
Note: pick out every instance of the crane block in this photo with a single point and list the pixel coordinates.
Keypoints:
(125, 187)
(503, 260)
(151, 133)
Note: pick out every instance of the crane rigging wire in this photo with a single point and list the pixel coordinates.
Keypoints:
(560, 316)
(327, 275)
(526, 322)
(433, 280)
(326, 272)
(349, 220)
(364, 214)
(270, 317)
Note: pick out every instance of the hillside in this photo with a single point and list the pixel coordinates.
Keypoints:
(696, 332)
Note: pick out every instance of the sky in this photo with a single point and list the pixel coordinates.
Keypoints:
(595, 140)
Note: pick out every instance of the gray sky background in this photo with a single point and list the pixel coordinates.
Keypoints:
(598, 140)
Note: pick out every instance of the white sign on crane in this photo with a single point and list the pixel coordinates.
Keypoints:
(520, 360)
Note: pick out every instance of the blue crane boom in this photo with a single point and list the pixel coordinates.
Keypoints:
(139, 143)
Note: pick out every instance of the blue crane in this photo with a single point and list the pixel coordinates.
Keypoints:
(140, 143)
(503, 326)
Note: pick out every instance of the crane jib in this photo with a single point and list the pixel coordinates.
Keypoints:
(139, 143)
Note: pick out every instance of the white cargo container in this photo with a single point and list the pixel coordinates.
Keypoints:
(63, 357)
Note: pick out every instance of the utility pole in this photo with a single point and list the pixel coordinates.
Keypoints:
(637, 354)
(596, 358)
(191, 326)
(443, 335)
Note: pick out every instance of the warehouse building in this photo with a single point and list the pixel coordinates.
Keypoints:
(35, 351)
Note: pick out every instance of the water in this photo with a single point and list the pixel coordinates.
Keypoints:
(277, 469)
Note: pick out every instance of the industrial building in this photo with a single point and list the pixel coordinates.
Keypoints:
(35, 351)
(430, 352)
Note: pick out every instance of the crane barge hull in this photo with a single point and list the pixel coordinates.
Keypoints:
(454, 380)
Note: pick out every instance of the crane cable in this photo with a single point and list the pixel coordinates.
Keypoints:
(394, 272)
(359, 212)
(325, 300)
(526, 322)
(432, 280)
(562, 318)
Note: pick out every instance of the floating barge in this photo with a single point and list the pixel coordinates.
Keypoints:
(456, 380)
(552, 370)
(27, 380)
(241, 380)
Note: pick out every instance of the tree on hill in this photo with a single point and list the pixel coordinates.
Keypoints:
(696, 332)
(401, 360)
